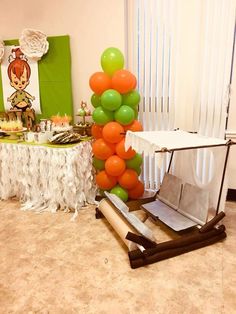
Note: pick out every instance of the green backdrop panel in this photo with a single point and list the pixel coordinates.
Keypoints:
(54, 78)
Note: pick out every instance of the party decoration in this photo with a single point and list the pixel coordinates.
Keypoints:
(122, 153)
(134, 162)
(1, 50)
(61, 119)
(57, 63)
(19, 81)
(111, 100)
(135, 114)
(115, 166)
(104, 181)
(124, 115)
(46, 179)
(138, 170)
(120, 192)
(129, 179)
(83, 127)
(96, 100)
(131, 99)
(83, 112)
(123, 81)
(99, 82)
(60, 123)
(102, 150)
(96, 131)
(98, 163)
(113, 132)
(116, 111)
(102, 116)
(33, 44)
(135, 126)
(112, 60)
(137, 191)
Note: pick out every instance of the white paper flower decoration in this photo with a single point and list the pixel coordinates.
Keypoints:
(1, 50)
(33, 43)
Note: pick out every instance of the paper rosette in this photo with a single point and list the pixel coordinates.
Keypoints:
(1, 50)
(33, 43)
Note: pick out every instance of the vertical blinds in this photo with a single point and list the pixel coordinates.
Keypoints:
(181, 87)
(151, 37)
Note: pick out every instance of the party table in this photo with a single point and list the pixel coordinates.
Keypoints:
(47, 177)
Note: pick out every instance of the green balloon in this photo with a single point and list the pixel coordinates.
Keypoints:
(112, 60)
(138, 170)
(96, 100)
(124, 115)
(101, 116)
(131, 99)
(98, 163)
(81, 112)
(111, 100)
(135, 162)
(136, 114)
(120, 192)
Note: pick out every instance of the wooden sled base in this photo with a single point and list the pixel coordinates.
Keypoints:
(154, 252)
(173, 248)
(98, 214)
(206, 235)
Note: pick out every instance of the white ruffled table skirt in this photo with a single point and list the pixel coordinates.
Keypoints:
(47, 179)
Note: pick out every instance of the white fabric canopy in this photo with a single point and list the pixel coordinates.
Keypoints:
(184, 165)
(149, 142)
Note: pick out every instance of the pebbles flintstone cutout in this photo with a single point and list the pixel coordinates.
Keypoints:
(19, 74)
(20, 81)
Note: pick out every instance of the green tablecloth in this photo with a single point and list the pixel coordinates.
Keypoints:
(6, 140)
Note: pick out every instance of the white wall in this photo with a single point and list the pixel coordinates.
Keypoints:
(91, 24)
(232, 109)
(231, 130)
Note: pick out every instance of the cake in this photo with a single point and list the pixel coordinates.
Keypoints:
(12, 125)
(61, 123)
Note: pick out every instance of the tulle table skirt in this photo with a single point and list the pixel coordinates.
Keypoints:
(45, 178)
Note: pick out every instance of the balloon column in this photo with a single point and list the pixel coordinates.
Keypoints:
(115, 103)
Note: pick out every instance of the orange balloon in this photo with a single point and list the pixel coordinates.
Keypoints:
(135, 126)
(123, 81)
(120, 150)
(99, 82)
(129, 179)
(112, 132)
(104, 181)
(115, 166)
(96, 131)
(137, 191)
(103, 150)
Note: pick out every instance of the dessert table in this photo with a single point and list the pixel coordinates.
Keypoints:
(47, 177)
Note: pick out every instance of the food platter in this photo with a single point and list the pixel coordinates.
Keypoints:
(13, 135)
(65, 138)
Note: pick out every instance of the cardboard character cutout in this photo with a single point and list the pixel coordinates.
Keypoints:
(19, 72)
